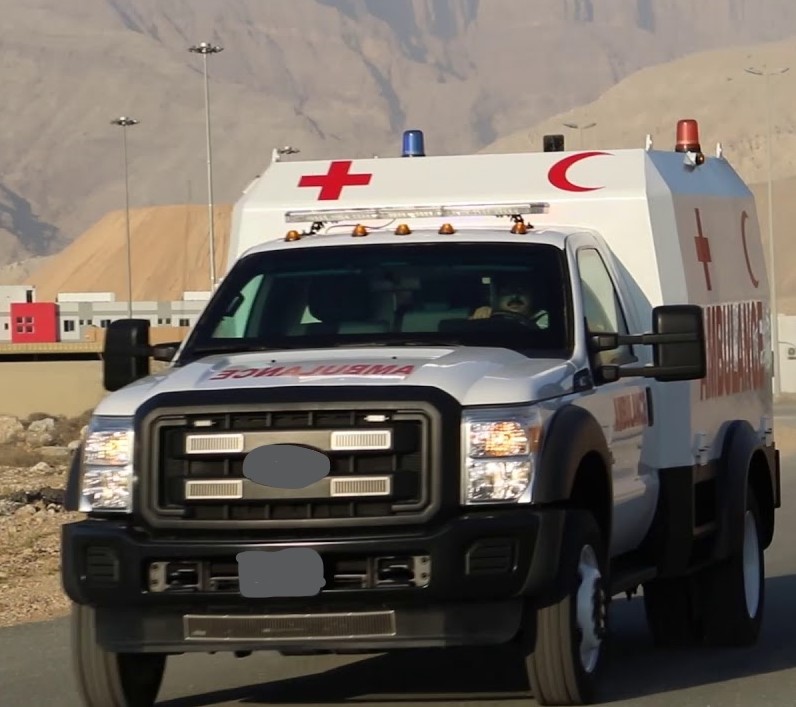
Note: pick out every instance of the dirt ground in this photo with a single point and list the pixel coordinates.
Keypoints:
(30, 585)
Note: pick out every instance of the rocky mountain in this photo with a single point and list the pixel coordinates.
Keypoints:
(331, 77)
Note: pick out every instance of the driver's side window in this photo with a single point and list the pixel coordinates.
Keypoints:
(601, 305)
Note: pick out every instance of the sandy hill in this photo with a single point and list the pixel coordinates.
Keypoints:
(170, 255)
(329, 76)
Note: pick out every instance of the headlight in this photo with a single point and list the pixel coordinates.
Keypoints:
(499, 454)
(107, 465)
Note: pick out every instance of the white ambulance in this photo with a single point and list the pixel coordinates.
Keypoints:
(539, 381)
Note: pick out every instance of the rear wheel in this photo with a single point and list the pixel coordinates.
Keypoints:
(734, 591)
(565, 660)
(108, 679)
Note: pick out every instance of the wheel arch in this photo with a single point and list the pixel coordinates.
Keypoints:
(575, 466)
(743, 465)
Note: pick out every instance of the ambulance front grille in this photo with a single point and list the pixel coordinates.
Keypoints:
(380, 467)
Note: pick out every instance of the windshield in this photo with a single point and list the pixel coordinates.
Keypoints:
(505, 295)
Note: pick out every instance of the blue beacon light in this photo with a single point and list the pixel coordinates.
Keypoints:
(413, 144)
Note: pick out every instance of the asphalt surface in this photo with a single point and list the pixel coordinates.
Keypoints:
(35, 665)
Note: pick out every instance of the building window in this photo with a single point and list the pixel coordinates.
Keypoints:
(24, 325)
(69, 324)
(105, 323)
(165, 321)
(185, 322)
(5, 326)
(29, 296)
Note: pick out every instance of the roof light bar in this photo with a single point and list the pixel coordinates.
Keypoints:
(379, 212)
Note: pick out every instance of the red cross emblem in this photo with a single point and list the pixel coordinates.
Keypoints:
(703, 249)
(335, 180)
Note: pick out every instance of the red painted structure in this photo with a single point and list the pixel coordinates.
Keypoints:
(34, 322)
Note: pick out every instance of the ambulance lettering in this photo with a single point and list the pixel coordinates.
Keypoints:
(358, 369)
(735, 346)
(630, 410)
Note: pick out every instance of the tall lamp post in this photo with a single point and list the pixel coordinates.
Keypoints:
(777, 386)
(580, 128)
(206, 48)
(125, 122)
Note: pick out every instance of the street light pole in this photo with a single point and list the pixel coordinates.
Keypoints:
(124, 122)
(580, 129)
(772, 275)
(204, 49)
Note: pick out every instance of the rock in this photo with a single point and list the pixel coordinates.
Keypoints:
(83, 432)
(42, 468)
(74, 445)
(53, 496)
(8, 507)
(11, 429)
(41, 433)
(55, 452)
(20, 497)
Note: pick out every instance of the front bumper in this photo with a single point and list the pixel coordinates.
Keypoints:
(470, 578)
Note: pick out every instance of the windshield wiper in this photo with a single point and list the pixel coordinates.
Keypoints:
(226, 349)
(403, 342)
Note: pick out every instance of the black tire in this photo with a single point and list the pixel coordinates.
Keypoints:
(671, 609)
(556, 672)
(107, 679)
(729, 620)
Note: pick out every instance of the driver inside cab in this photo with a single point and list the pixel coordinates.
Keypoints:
(513, 298)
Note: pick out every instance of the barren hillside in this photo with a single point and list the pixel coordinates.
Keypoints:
(170, 255)
(329, 76)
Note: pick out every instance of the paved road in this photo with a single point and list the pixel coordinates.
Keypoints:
(35, 669)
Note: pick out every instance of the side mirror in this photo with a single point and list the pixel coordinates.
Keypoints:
(678, 341)
(680, 354)
(125, 356)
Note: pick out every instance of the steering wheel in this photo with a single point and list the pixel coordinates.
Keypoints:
(529, 322)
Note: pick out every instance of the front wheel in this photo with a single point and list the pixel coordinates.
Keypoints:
(565, 660)
(106, 679)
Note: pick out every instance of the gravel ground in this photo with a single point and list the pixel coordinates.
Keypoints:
(34, 458)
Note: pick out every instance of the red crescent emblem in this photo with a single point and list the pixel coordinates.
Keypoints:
(755, 281)
(558, 172)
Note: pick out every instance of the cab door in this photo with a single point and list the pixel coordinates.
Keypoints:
(621, 407)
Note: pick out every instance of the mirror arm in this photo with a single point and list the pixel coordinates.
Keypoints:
(652, 339)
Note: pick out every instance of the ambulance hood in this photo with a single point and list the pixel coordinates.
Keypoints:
(472, 375)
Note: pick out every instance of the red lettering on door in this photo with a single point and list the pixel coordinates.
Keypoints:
(736, 353)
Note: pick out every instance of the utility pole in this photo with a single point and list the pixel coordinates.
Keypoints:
(206, 48)
(777, 384)
(124, 122)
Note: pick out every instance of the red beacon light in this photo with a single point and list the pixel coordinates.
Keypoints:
(688, 139)
(687, 136)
